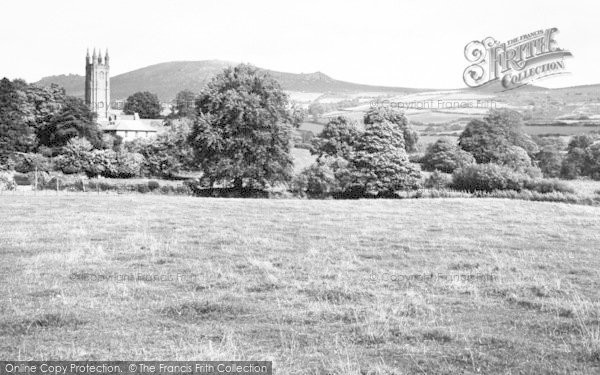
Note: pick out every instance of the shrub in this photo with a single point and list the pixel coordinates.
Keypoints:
(129, 164)
(444, 155)
(548, 186)
(38, 179)
(550, 161)
(438, 180)
(316, 181)
(153, 185)
(66, 182)
(21, 179)
(7, 181)
(143, 188)
(514, 157)
(25, 163)
(488, 177)
(166, 189)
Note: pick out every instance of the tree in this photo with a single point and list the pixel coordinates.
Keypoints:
(16, 134)
(337, 139)
(185, 104)
(495, 138)
(550, 159)
(242, 135)
(444, 155)
(143, 103)
(381, 114)
(380, 163)
(73, 120)
(582, 158)
(169, 152)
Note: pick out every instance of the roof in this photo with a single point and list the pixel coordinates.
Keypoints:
(129, 125)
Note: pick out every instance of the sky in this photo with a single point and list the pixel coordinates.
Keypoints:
(391, 43)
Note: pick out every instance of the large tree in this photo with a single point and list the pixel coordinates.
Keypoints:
(16, 134)
(242, 135)
(382, 114)
(73, 120)
(144, 103)
(498, 138)
(380, 162)
(337, 139)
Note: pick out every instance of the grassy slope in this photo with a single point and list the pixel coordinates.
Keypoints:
(303, 283)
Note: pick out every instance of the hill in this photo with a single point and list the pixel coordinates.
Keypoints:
(167, 79)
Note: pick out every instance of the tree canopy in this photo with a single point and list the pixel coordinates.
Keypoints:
(73, 120)
(144, 103)
(242, 135)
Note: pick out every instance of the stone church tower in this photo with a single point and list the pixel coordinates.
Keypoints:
(97, 84)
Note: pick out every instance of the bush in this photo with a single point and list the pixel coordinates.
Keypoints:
(488, 177)
(153, 185)
(75, 157)
(25, 163)
(550, 161)
(445, 156)
(7, 181)
(438, 180)
(316, 181)
(548, 186)
(129, 164)
(38, 179)
(66, 182)
(143, 188)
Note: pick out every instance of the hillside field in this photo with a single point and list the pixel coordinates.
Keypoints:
(436, 286)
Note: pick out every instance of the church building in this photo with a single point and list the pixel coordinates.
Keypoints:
(97, 97)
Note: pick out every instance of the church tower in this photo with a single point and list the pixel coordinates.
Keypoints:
(97, 84)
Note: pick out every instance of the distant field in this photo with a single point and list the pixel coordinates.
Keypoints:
(452, 286)
(436, 117)
(561, 130)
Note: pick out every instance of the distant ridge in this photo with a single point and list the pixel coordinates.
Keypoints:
(167, 79)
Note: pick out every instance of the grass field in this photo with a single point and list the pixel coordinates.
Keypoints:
(448, 286)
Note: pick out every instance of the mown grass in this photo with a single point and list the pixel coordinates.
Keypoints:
(437, 286)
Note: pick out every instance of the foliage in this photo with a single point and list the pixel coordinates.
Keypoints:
(337, 139)
(382, 114)
(514, 157)
(129, 164)
(153, 185)
(7, 181)
(498, 139)
(168, 153)
(380, 164)
(548, 186)
(549, 159)
(319, 180)
(438, 180)
(78, 157)
(185, 104)
(242, 135)
(73, 120)
(445, 156)
(16, 134)
(583, 158)
(143, 103)
(75, 156)
(488, 177)
(30, 162)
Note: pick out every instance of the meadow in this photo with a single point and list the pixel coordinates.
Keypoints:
(435, 286)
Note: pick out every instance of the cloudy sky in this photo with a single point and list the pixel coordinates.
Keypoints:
(392, 43)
